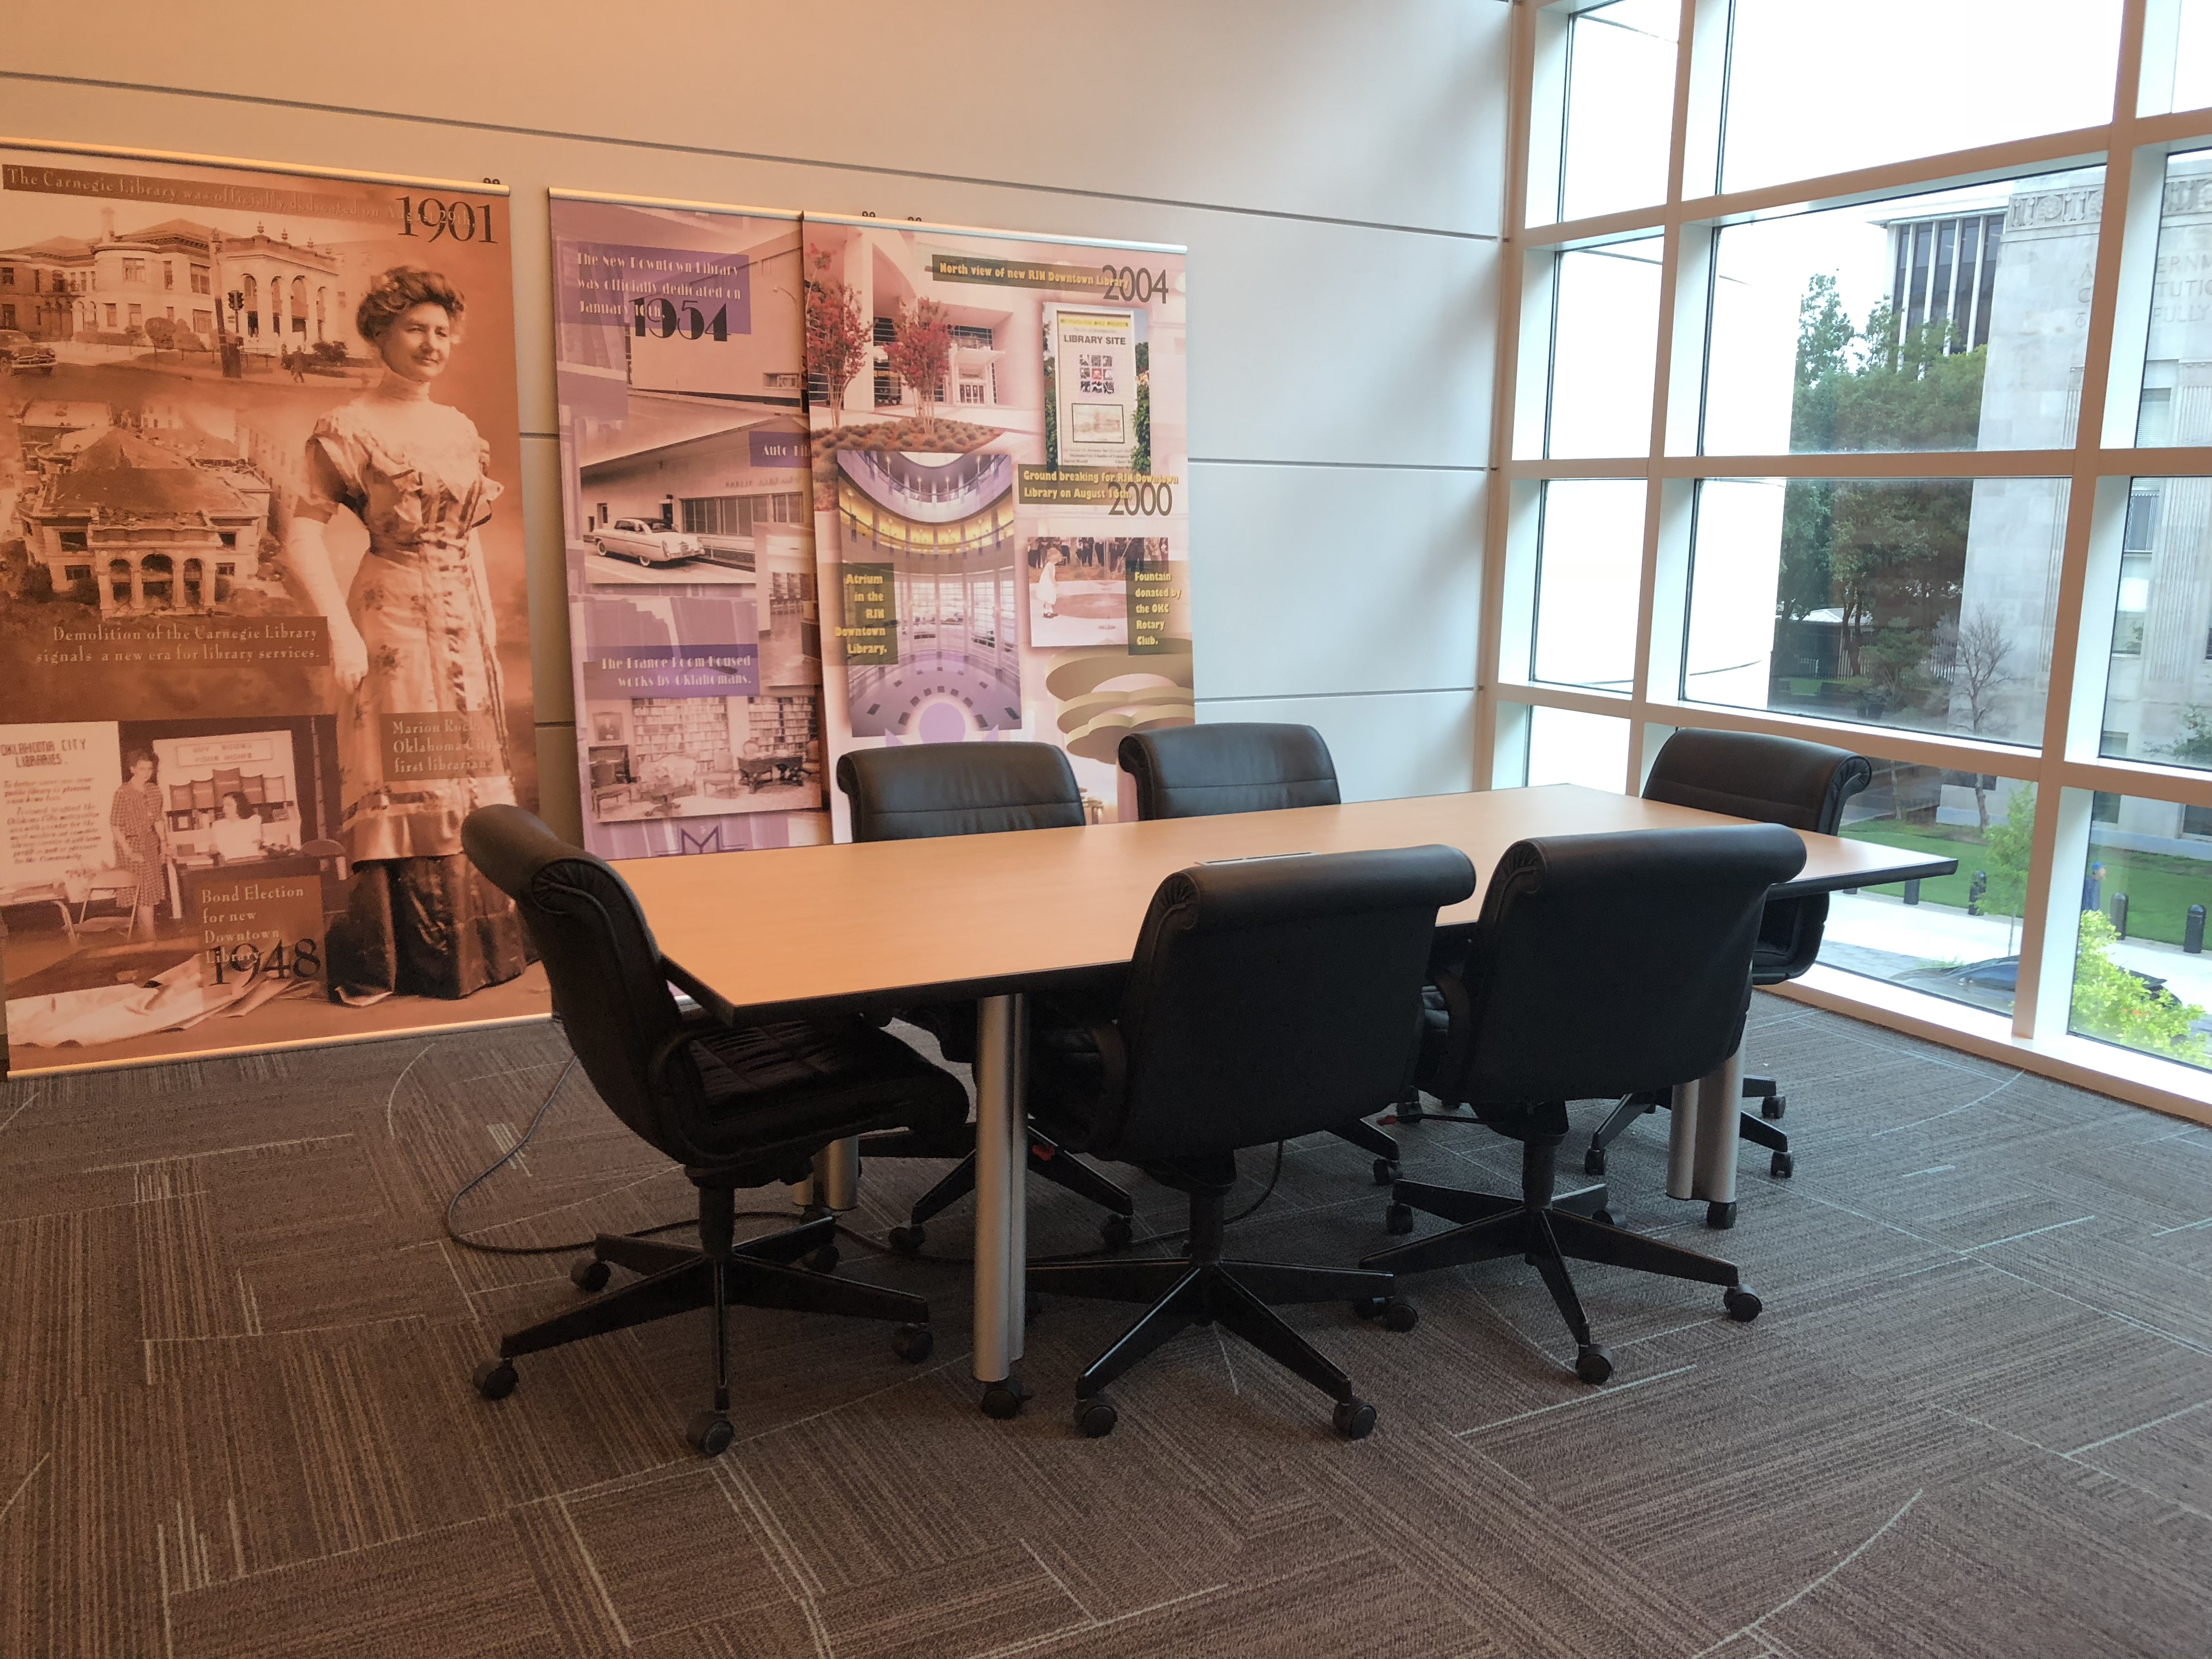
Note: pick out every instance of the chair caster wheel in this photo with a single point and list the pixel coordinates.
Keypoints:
(1773, 1106)
(1354, 1419)
(1116, 1232)
(1593, 1364)
(494, 1379)
(1720, 1215)
(709, 1433)
(1371, 1307)
(1397, 1218)
(907, 1241)
(1603, 1217)
(1782, 1166)
(1594, 1161)
(1400, 1314)
(1005, 1400)
(1095, 1418)
(911, 1343)
(589, 1275)
(1386, 1172)
(1742, 1304)
(823, 1260)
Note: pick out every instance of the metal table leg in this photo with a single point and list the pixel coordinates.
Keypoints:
(1001, 1222)
(1701, 1141)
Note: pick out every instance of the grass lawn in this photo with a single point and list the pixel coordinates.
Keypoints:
(2160, 887)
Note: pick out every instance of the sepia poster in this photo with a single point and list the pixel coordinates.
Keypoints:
(263, 633)
(1001, 523)
(691, 584)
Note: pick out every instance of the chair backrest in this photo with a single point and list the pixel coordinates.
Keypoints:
(925, 789)
(608, 986)
(1604, 965)
(1787, 780)
(1270, 998)
(1198, 771)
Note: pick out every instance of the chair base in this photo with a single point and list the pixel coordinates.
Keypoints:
(1203, 1289)
(720, 1273)
(1548, 1236)
(1047, 1158)
(1755, 1127)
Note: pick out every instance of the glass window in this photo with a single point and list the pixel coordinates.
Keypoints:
(1590, 550)
(1565, 746)
(2177, 402)
(2141, 977)
(1818, 86)
(1620, 106)
(2158, 690)
(1957, 319)
(1956, 935)
(1605, 348)
(1920, 602)
(2191, 84)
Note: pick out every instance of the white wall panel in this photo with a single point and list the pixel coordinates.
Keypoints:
(1390, 113)
(1385, 746)
(1334, 579)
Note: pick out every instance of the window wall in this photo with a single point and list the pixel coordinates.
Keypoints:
(1832, 408)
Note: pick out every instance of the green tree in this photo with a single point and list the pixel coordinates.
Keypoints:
(2006, 853)
(1141, 461)
(2112, 1003)
(1888, 557)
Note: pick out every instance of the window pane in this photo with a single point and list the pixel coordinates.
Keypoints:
(1567, 747)
(1957, 319)
(2158, 688)
(2141, 977)
(2177, 376)
(2191, 87)
(1605, 347)
(1919, 603)
(1957, 936)
(1620, 106)
(1818, 86)
(1590, 554)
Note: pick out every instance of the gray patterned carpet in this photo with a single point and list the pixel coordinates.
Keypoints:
(1976, 1419)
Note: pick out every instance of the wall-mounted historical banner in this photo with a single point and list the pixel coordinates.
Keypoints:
(691, 595)
(263, 631)
(1001, 522)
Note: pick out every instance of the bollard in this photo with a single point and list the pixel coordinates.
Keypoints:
(2192, 930)
(1912, 892)
(1975, 889)
(2120, 914)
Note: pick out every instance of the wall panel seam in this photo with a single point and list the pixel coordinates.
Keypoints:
(669, 146)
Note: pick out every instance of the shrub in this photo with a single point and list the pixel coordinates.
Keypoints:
(2112, 1003)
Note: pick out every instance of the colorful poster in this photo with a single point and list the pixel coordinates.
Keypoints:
(691, 582)
(999, 446)
(263, 627)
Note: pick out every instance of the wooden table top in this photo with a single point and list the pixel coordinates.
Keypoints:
(871, 924)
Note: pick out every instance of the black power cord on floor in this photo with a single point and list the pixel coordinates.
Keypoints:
(880, 1247)
(572, 1246)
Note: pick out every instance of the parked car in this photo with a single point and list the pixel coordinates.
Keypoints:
(2002, 974)
(643, 542)
(22, 355)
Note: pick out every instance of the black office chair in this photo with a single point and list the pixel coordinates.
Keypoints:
(1776, 781)
(921, 790)
(1200, 771)
(736, 1107)
(1266, 999)
(1599, 962)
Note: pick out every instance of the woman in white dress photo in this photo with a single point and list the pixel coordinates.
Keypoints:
(414, 636)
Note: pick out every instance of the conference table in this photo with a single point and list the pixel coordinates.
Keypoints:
(878, 926)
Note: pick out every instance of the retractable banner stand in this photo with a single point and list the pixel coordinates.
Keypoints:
(1000, 515)
(691, 603)
(263, 630)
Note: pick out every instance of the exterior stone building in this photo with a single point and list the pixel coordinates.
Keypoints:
(136, 527)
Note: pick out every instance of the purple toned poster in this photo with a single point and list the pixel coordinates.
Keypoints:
(691, 586)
